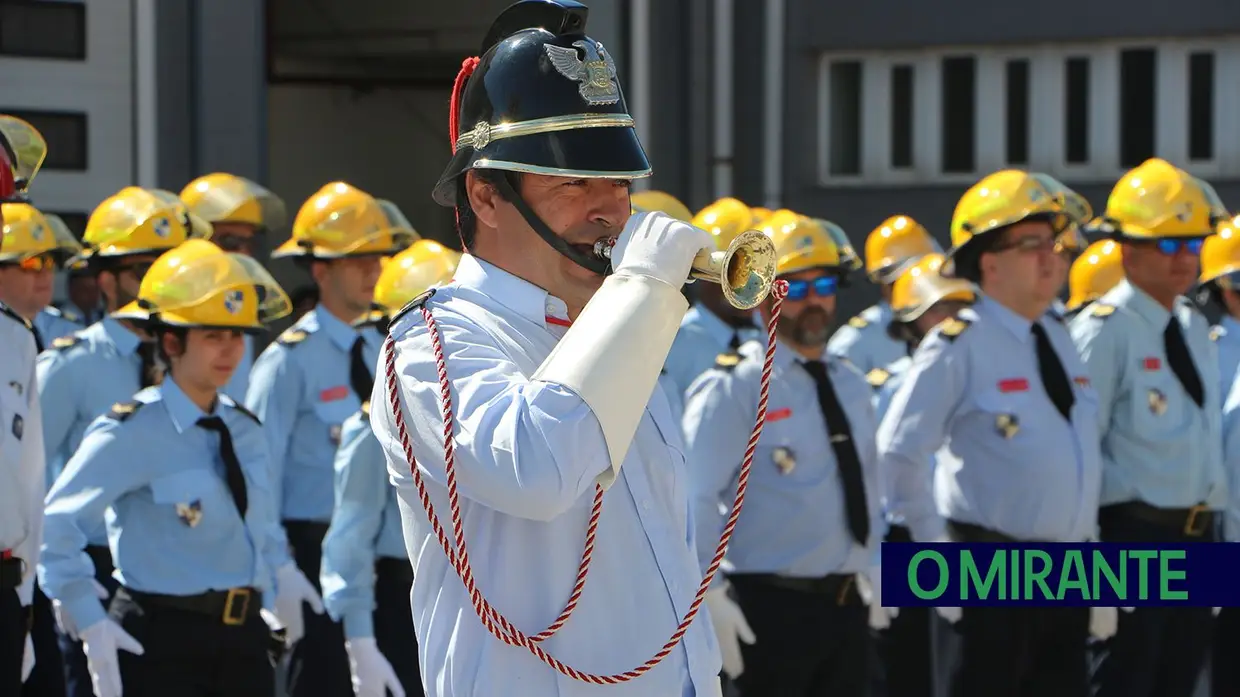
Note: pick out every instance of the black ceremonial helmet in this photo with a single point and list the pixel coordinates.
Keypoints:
(543, 99)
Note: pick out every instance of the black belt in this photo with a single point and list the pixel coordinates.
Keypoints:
(838, 585)
(233, 606)
(11, 570)
(1190, 522)
(968, 532)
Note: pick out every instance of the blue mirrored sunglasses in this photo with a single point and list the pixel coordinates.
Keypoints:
(824, 287)
(1171, 246)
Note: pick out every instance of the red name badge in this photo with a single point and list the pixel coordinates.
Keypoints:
(332, 394)
(778, 414)
(1081, 380)
(1014, 385)
(1152, 363)
(557, 321)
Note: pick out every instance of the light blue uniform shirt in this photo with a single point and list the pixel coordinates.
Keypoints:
(365, 525)
(300, 389)
(884, 391)
(172, 525)
(52, 323)
(864, 340)
(1226, 336)
(79, 382)
(1007, 460)
(1231, 461)
(240, 381)
(794, 522)
(527, 455)
(1158, 446)
(702, 337)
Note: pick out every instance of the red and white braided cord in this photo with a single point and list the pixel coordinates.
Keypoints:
(496, 623)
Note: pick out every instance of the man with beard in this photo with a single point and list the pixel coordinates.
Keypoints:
(1155, 371)
(712, 326)
(921, 298)
(808, 533)
(1000, 392)
(124, 235)
(553, 370)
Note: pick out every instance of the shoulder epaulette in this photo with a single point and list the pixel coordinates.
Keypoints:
(413, 304)
(858, 322)
(253, 417)
(953, 327)
(292, 337)
(877, 377)
(5, 309)
(1101, 310)
(66, 342)
(124, 410)
(727, 361)
(1216, 332)
(366, 409)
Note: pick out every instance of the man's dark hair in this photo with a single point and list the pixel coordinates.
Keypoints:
(467, 222)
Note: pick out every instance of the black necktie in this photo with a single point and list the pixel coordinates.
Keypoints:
(735, 342)
(1054, 378)
(148, 372)
(232, 466)
(359, 372)
(840, 433)
(38, 338)
(1182, 361)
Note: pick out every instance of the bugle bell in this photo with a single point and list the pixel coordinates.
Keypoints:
(745, 270)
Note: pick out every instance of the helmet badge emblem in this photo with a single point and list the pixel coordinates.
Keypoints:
(597, 73)
(233, 300)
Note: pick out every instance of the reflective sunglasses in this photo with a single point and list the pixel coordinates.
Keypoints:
(42, 262)
(824, 287)
(1171, 246)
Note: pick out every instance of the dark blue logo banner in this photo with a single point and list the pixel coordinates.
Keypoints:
(1054, 573)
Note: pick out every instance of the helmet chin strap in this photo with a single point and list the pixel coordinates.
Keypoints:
(590, 262)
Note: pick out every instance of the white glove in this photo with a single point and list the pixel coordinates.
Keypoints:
(657, 245)
(951, 614)
(1216, 610)
(1103, 622)
(870, 587)
(612, 355)
(730, 628)
(65, 621)
(27, 658)
(292, 589)
(100, 643)
(372, 674)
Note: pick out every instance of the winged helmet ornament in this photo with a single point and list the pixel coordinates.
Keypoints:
(597, 73)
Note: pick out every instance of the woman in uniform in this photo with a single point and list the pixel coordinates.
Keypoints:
(181, 474)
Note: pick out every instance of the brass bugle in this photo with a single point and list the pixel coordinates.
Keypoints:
(745, 270)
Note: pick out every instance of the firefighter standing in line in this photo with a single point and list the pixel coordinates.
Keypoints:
(35, 244)
(712, 325)
(241, 213)
(32, 249)
(309, 381)
(1093, 274)
(366, 574)
(921, 299)
(114, 356)
(181, 471)
(889, 250)
(1021, 432)
(22, 151)
(811, 520)
(1155, 372)
(1220, 262)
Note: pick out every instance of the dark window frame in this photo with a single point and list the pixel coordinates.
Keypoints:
(53, 163)
(902, 107)
(846, 122)
(77, 9)
(958, 121)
